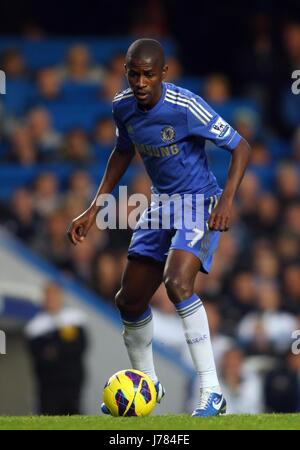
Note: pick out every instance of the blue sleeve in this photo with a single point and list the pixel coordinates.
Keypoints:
(204, 122)
(123, 141)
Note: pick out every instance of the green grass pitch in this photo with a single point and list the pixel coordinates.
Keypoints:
(165, 422)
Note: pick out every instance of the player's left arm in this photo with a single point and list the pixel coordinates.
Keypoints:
(220, 216)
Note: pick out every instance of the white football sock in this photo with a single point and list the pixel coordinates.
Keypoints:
(138, 334)
(197, 335)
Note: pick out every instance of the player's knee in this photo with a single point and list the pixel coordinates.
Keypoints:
(177, 288)
(127, 305)
(121, 301)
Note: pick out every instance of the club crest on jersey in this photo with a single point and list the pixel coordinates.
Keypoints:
(167, 134)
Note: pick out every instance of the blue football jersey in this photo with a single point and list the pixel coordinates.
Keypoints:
(170, 138)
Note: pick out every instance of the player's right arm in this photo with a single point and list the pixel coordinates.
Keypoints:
(116, 167)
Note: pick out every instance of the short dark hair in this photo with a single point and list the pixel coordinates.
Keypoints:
(144, 49)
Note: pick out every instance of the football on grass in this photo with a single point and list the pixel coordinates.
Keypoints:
(129, 393)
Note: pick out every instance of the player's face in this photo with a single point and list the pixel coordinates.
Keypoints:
(145, 78)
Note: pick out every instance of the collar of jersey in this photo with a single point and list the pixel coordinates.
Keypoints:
(158, 104)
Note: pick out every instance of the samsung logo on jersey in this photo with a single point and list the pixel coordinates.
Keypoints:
(159, 152)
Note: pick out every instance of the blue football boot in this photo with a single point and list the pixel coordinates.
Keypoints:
(104, 409)
(160, 391)
(211, 404)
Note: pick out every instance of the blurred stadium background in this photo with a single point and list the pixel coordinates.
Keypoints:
(63, 65)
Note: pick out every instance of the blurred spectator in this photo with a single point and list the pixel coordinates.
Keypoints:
(245, 122)
(291, 287)
(52, 244)
(79, 66)
(227, 252)
(32, 30)
(48, 88)
(104, 134)
(112, 84)
(175, 70)
(23, 221)
(248, 193)
(22, 151)
(44, 137)
(46, 197)
(260, 155)
(288, 247)
(216, 89)
(81, 187)
(265, 264)
(287, 107)
(57, 342)
(288, 185)
(212, 286)
(282, 386)
(257, 64)
(116, 64)
(296, 145)
(238, 227)
(82, 257)
(76, 147)
(242, 389)
(150, 19)
(292, 218)
(106, 276)
(13, 64)
(240, 299)
(267, 215)
(72, 206)
(291, 41)
(267, 330)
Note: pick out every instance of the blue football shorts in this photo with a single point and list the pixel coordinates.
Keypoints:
(155, 242)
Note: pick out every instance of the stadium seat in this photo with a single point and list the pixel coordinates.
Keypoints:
(67, 116)
(230, 109)
(80, 92)
(290, 108)
(265, 175)
(193, 84)
(48, 52)
(279, 148)
(13, 177)
(17, 97)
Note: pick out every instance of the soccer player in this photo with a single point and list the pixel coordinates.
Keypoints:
(168, 126)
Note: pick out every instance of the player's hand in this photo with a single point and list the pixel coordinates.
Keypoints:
(80, 226)
(220, 216)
